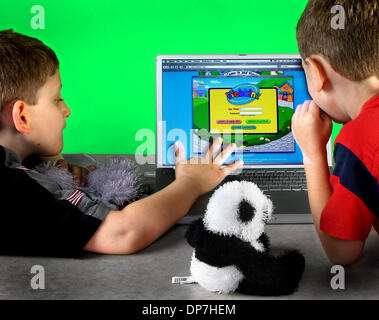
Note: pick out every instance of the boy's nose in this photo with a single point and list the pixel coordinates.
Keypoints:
(66, 111)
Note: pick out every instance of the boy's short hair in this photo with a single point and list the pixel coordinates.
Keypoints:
(352, 51)
(25, 65)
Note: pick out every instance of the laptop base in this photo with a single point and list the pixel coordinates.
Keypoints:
(289, 206)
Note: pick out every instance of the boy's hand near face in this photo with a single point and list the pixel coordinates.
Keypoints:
(312, 129)
(205, 172)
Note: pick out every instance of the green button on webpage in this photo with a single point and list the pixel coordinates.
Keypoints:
(244, 127)
(258, 121)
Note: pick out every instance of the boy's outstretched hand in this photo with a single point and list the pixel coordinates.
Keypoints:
(143, 221)
(205, 173)
(311, 128)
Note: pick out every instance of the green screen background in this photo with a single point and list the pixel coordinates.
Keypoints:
(107, 53)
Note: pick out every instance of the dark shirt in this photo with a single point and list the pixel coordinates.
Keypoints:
(38, 217)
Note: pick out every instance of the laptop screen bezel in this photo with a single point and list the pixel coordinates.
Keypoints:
(159, 105)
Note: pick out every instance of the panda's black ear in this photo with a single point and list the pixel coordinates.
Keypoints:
(246, 211)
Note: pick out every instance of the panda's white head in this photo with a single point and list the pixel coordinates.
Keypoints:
(238, 208)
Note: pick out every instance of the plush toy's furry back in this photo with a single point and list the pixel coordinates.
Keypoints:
(263, 273)
(54, 171)
(116, 182)
(231, 250)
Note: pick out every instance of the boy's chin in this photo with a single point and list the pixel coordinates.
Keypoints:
(338, 120)
(51, 152)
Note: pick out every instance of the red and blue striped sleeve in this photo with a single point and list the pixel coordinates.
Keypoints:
(353, 207)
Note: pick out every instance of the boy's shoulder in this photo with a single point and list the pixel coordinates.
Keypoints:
(360, 136)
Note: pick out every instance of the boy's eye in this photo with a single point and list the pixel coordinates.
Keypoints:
(58, 100)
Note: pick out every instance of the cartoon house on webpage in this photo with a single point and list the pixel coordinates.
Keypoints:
(285, 92)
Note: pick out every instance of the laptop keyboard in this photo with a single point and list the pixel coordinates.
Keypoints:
(274, 179)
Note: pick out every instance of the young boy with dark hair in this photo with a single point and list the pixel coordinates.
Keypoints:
(38, 217)
(342, 70)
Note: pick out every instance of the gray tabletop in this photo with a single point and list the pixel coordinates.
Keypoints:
(147, 274)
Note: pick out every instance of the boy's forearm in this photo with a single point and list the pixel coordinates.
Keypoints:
(150, 217)
(339, 251)
(319, 188)
(319, 192)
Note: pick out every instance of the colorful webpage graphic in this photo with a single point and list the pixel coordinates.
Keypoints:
(259, 114)
(255, 111)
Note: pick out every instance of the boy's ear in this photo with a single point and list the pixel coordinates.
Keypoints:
(318, 73)
(20, 118)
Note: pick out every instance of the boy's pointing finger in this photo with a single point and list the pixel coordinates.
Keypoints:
(179, 151)
(214, 149)
(223, 155)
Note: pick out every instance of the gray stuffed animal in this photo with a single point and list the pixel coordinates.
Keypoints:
(116, 182)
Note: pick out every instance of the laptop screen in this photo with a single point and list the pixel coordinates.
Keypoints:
(247, 101)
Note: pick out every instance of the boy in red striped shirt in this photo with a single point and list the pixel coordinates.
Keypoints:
(340, 59)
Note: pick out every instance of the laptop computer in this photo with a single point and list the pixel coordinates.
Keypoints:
(246, 99)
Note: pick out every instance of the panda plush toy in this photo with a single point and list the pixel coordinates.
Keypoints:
(232, 252)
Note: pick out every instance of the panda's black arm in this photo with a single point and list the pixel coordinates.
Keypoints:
(226, 247)
(193, 232)
(264, 239)
(198, 236)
